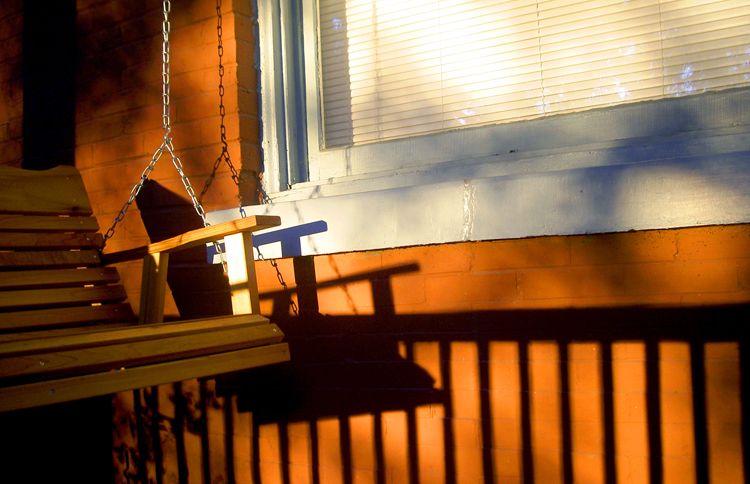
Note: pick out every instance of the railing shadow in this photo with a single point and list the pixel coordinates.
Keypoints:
(350, 375)
(603, 394)
(349, 368)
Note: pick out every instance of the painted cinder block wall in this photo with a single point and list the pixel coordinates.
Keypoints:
(561, 356)
(588, 358)
(596, 358)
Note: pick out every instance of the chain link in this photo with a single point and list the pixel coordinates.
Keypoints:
(186, 182)
(166, 145)
(267, 201)
(165, 86)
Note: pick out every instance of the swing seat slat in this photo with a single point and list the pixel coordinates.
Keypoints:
(42, 322)
(116, 380)
(62, 278)
(43, 223)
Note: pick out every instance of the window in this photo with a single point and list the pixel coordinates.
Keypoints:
(430, 121)
(393, 69)
(360, 88)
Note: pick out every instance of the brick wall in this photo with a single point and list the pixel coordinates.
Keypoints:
(11, 83)
(556, 359)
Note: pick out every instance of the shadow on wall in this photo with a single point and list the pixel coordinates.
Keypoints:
(532, 394)
(613, 394)
(80, 66)
(605, 395)
(621, 394)
(49, 76)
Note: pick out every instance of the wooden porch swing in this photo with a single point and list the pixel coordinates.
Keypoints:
(67, 333)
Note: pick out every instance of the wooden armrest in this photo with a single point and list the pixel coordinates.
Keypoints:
(196, 237)
(214, 233)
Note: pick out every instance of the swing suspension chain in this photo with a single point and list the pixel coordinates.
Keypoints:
(166, 145)
(224, 157)
(166, 27)
(280, 278)
(166, 122)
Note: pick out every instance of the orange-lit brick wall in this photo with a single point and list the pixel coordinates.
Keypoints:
(11, 83)
(596, 358)
(119, 113)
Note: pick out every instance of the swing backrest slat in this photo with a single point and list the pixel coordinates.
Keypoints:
(57, 191)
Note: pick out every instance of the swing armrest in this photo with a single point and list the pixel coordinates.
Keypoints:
(212, 233)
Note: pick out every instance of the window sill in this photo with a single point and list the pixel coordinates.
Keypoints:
(664, 182)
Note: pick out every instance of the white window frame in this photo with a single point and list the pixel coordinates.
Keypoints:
(547, 176)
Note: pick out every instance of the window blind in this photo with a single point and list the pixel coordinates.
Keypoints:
(396, 68)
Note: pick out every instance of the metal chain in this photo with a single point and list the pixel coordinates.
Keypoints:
(264, 198)
(166, 122)
(267, 201)
(166, 27)
(280, 278)
(133, 193)
(186, 183)
(224, 155)
(166, 145)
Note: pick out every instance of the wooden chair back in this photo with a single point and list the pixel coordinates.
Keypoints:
(66, 330)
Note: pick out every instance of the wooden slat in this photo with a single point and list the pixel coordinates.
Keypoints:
(54, 340)
(67, 389)
(68, 296)
(42, 223)
(114, 356)
(49, 258)
(58, 317)
(57, 278)
(36, 241)
(213, 233)
(134, 333)
(59, 190)
(64, 331)
(196, 237)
